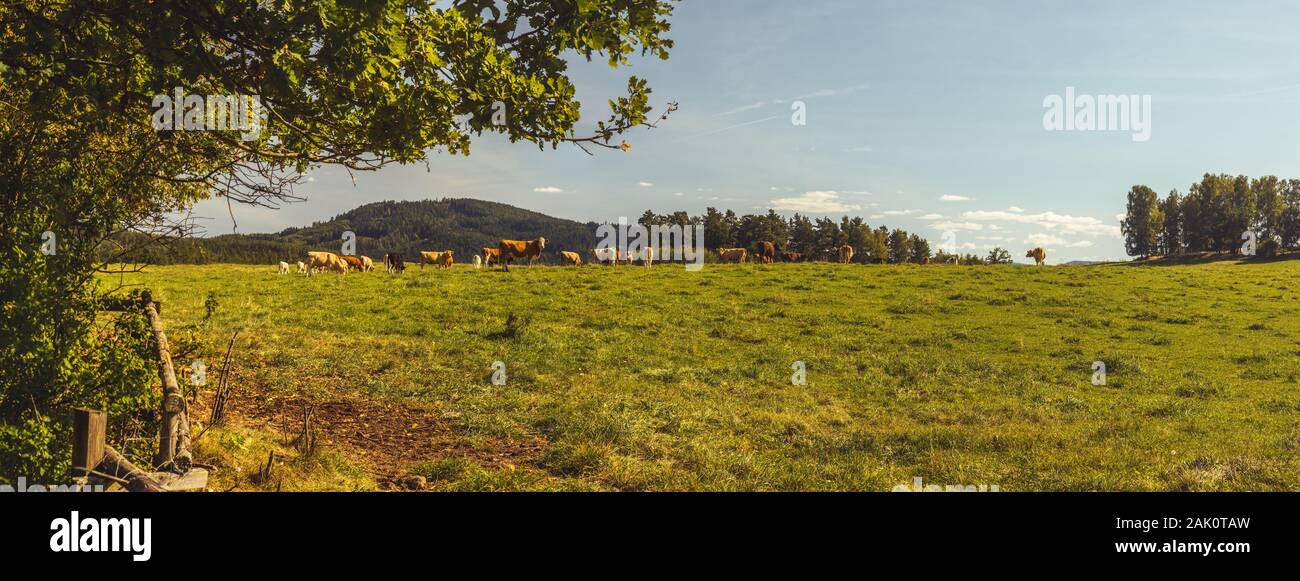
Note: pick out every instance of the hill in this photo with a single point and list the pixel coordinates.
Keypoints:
(460, 224)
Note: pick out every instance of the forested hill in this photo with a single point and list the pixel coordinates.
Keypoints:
(460, 224)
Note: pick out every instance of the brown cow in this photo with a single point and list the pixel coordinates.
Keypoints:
(846, 254)
(791, 256)
(571, 258)
(736, 255)
(325, 261)
(1038, 254)
(489, 254)
(354, 262)
(512, 249)
(766, 252)
(443, 259)
(925, 260)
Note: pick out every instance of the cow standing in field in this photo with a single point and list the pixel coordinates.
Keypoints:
(791, 256)
(766, 252)
(478, 262)
(512, 249)
(646, 256)
(606, 256)
(489, 254)
(354, 262)
(393, 263)
(443, 259)
(736, 255)
(571, 258)
(1038, 254)
(846, 254)
(283, 269)
(925, 260)
(325, 261)
(302, 268)
(367, 265)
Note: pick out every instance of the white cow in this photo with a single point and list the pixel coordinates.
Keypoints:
(284, 268)
(645, 255)
(478, 262)
(302, 268)
(605, 256)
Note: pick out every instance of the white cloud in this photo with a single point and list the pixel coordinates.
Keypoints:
(952, 198)
(1015, 209)
(899, 212)
(832, 92)
(1120, 217)
(750, 107)
(679, 194)
(1044, 240)
(932, 217)
(860, 149)
(819, 202)
(957, 226)
(1050, 240)
(548, 190)
(644, 184)
(1062, 223)
(819, 93)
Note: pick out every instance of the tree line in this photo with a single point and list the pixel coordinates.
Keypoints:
(815, 238)
(1215, 215)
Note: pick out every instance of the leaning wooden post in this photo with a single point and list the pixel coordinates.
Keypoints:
(88, 429)
(174, 437)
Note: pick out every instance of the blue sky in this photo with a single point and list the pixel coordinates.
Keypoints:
(922, 115)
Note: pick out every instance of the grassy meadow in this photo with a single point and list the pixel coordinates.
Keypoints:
(632, 379)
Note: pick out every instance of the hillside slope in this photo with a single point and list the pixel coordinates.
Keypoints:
(460, 224)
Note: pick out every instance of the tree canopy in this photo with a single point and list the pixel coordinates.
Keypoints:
(1213, 216)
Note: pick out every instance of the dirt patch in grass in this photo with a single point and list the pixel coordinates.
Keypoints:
(383, 438)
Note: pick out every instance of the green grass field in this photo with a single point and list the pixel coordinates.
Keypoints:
(628, 379)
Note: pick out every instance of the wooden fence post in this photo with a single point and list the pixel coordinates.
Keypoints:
(174, 437)
(88, 429)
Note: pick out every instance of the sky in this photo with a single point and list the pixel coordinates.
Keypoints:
(927, 116)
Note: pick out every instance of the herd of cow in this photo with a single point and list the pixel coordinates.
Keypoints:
(505, 253)
(509, 250)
